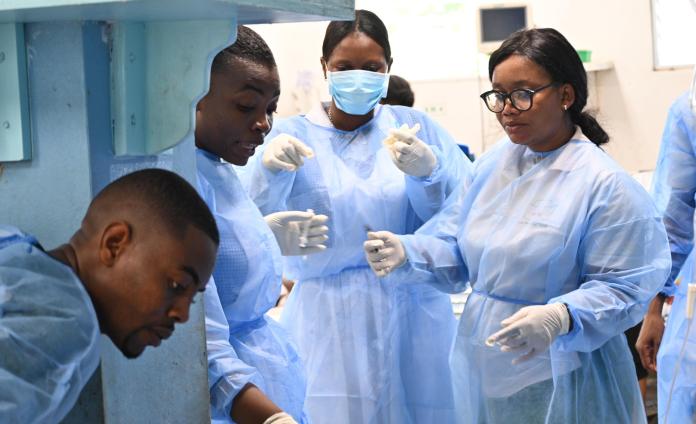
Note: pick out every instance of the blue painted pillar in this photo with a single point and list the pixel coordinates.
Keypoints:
(73, 158)
(48, 195)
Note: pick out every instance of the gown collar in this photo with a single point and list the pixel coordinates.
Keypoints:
(319, 117)
(562, 158)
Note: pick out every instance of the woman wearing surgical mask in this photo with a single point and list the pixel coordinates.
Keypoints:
(562, 248)
(376, 351)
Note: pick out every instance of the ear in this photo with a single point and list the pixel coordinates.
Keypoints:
(324, 66)
(567, 96)
(389, 64)
(115, 239)
(202, 103)
(212, 88)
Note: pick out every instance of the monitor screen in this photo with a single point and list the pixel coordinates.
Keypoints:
(498, 23)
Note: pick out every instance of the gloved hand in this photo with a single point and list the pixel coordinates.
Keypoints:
(280, 418)
(532, 329)
(298, 233)
(410, 154)
(384, 252)
(285, 153)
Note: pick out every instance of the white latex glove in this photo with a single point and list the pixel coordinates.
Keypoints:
(384, 252)
(280, 418)
(409, 153)
(298, 233)
(285, 153)
(531, 330)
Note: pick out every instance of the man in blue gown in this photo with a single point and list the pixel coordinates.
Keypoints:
(146, 246)
(250, 356)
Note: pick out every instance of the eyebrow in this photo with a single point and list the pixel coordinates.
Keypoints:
(375, 62)
(516, 83)
(258, 90)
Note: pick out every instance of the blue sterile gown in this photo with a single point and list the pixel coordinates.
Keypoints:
(534, 228)
(247, 277)
(376, 350)
(674, 187)
(49, 333)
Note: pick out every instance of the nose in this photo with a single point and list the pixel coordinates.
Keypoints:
(508, 107)
(263, 124)
(179, 312)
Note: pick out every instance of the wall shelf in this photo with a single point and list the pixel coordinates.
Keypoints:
(598, 66)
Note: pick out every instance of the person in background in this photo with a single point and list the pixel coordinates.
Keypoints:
(562, 248)
(250, 355)
(399, 92)
(674, 188)
(376, 351)
(146, 246)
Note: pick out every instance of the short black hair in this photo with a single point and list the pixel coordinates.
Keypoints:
(549, 49)
(169, 198)
(365, 22)
(399, 93)
(248, 46)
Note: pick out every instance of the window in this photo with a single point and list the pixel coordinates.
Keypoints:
(674, 33)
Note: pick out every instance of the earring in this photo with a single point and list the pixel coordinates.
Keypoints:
(565, 107)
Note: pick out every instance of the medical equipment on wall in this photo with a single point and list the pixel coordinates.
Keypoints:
(496, 23)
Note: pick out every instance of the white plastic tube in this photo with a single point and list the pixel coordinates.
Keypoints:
(304, 230)
(690, 297)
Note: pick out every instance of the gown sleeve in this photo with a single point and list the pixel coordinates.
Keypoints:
(49, 339)
(674, 185)
(433, 255)
(227, 374)
(624, 257)
(269, 190)
(427, 195)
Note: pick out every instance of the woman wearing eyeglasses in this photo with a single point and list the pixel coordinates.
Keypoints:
(562, 248)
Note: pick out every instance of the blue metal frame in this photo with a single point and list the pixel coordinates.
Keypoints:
(15, 134)
(128, 61)
(154, 86)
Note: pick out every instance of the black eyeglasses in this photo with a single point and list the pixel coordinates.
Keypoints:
(521, 99)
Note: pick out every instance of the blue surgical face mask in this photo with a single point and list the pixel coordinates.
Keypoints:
(357, 92)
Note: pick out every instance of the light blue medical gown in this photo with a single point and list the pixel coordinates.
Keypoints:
(529, 229)
(376, 350)
(247, 281)
(674, 189)
(49, 333)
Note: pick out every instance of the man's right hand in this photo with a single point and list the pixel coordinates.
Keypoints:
(651, 335)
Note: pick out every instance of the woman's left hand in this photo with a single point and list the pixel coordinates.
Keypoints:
(531, 330)
(409, 153)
